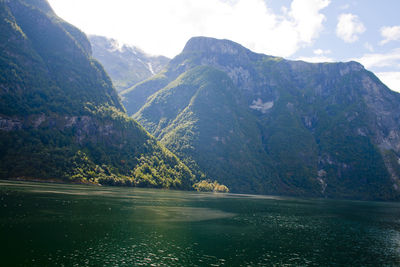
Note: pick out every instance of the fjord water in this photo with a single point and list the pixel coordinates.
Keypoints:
(76, 225)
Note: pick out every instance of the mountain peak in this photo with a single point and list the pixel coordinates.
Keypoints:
(213, 45)
(109, 44)
(126, 64)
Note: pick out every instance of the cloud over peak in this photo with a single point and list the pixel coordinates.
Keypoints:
(381, 60)
(166, 28)
(307, 18)
(390, 34)
(349, 27)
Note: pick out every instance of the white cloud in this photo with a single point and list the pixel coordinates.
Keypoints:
(386, 66)
(163, 27)
(316, 59)
(308, 20)
(390, 34)
(390, 59)
(391, 79)
(320, 52)
(349, 27)
(319, 56)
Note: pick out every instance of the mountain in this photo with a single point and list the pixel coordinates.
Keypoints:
(263, 124)
(60, 116)
(127, 65)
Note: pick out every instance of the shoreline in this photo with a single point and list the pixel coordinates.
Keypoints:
(48, 181)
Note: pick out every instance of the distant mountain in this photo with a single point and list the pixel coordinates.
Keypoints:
(60, 117)
(263, 124)
(127, 65)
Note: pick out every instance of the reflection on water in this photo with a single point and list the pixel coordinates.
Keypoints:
(178, 214)
(75, 225)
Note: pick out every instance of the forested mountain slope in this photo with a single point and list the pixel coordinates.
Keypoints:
(60, 117)
(262, 124)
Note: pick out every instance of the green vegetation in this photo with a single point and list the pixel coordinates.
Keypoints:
(208, 186)
(259, 124)
(266, 125)
(128, 156)
(61, 118)
(42, 65)
(197, 118)
(136, 96)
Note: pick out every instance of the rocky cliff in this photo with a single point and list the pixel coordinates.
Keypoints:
(264, 124)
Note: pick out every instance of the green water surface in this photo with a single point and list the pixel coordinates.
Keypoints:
(76, 225)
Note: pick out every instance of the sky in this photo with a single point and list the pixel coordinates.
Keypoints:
(367, 31)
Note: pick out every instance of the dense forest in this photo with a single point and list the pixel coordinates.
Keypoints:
(60, 116)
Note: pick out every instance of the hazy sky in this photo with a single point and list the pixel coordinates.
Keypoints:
(312, 30)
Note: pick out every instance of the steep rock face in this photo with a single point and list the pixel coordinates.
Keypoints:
(126, 65)
(327, 129)
(60, 117)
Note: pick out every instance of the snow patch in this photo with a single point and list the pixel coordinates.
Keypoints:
(115, 46)
(150, 67)
(261, 106)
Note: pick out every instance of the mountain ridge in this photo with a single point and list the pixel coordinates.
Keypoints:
(326, 129)
(126, 64)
